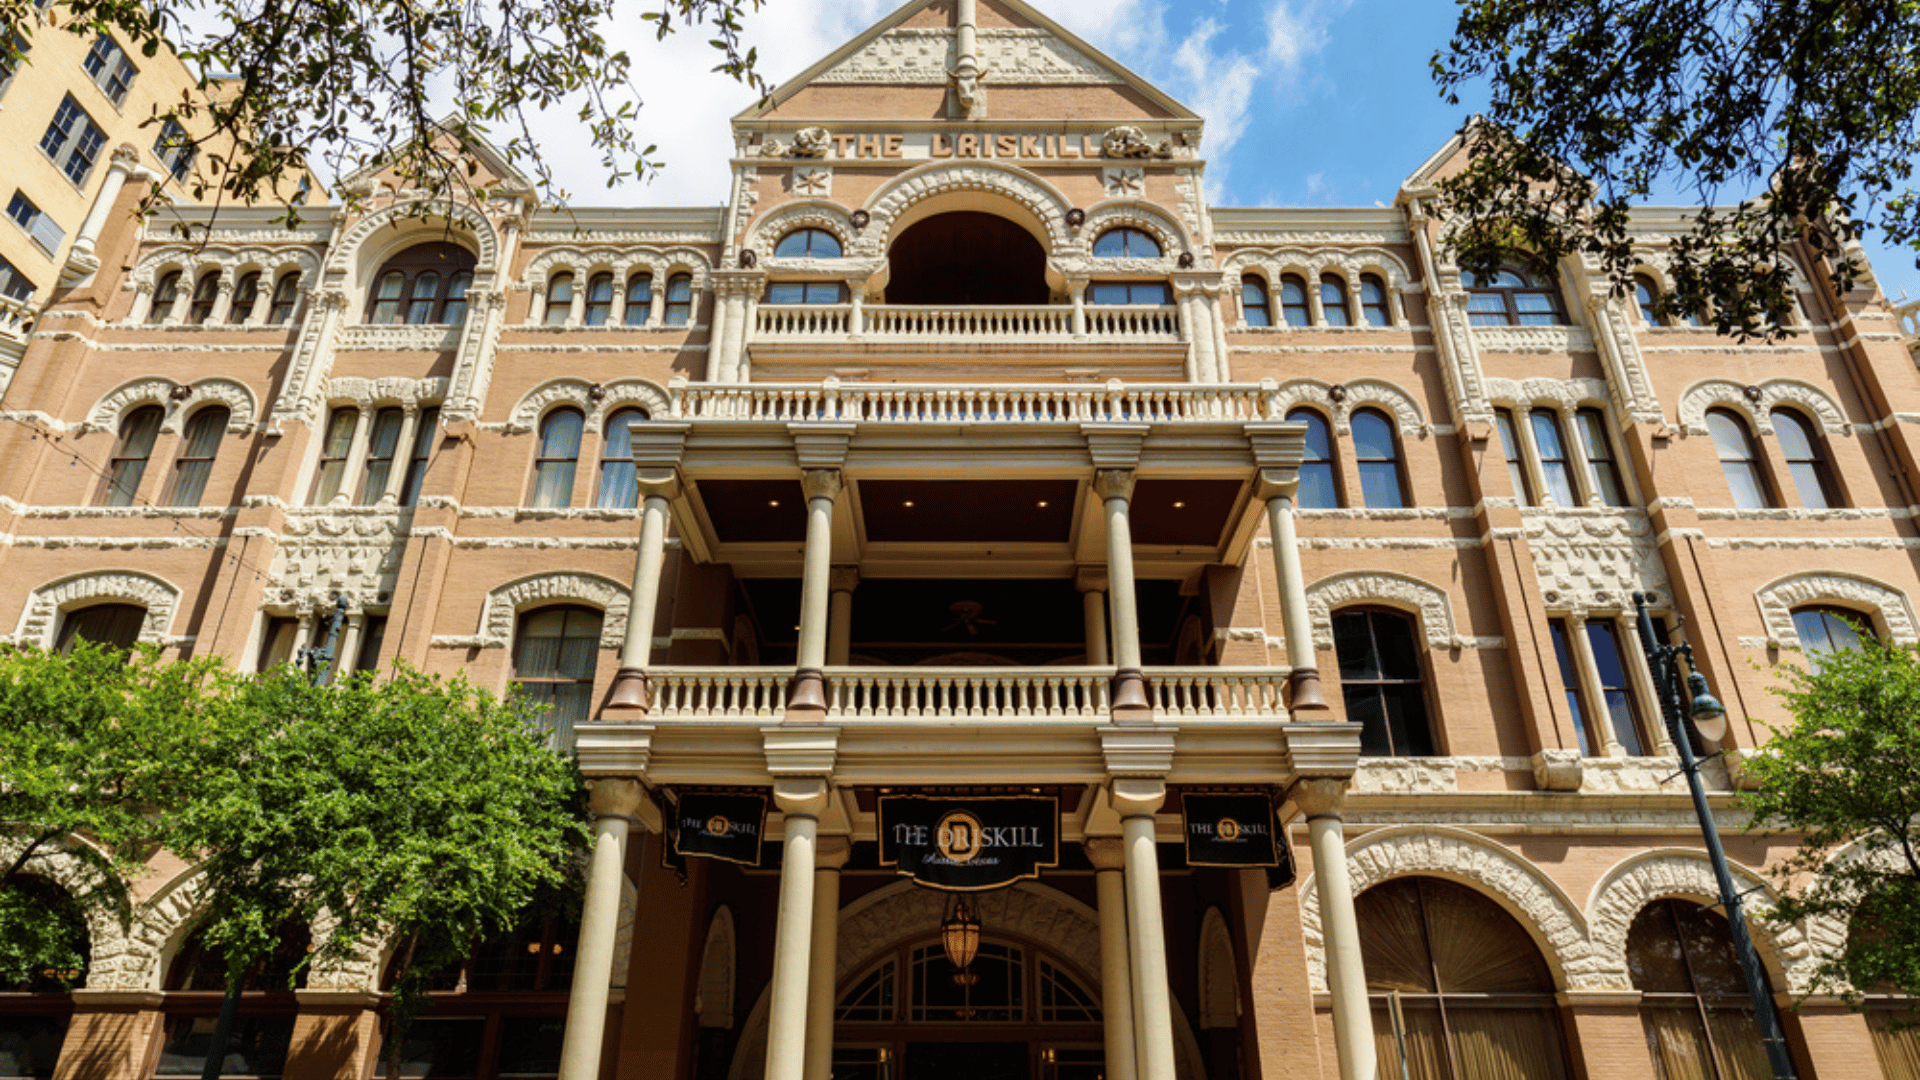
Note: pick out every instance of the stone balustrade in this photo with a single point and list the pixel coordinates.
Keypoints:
(985, 324)
(832, 401)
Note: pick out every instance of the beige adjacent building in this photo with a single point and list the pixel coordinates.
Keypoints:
(1012, 541)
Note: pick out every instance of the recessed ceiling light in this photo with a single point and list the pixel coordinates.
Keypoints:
(908, 504)
(773, 502)
(1042, 504)
(1179, 505)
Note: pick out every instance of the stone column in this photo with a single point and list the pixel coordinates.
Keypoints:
(350, 644)
(353, 473)
(1115, 488)
(614, 802)
(222, 301)
(182, 299)
(1077, 288)
(302, 635)
(1320, 800)
(822, 486)
(1136, 801)
(1602, 740)
(1093, 607)
(1277, 450)
(802, 801)
(120, 165)
(822, 962)
(657, 490)
(402, 456)
(1107, 854)
(840, 614)
(617, 314)
(577, 310)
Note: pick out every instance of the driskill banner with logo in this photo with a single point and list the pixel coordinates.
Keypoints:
(961, 845)
(720, 826)
(1229, 830)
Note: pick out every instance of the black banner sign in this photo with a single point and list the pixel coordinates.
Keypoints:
(1229, 830)
(961, 845)
(720, 826)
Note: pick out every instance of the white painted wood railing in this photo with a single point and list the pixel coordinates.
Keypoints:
(788, 323)
(1216, 693)
(718, 693)
(968, 693)
(935, 403)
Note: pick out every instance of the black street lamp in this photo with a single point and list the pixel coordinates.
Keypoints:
(1710, 718)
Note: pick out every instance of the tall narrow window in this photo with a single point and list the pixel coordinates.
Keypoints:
(618, 486)
(1623, 713)
(1603, 472)
(1646, 296)
(1694, 1004)
(286, 294)
(553, 662)
(245, 295)
(373, 635)
(276, 642)
(559, 453)
(1738, 461)
(599, 299)
(1806, 458)
(137, 433)
(1554, 467)
(424, 432)
(73, 140)
(381, 447)
(1254, 307)
(1823, 629)
(426, 292)
(112, 72)
(116, 626)
(333, 455)
(679, 300)
(1381, 679)
(455, 311)
(1373, 301)
(1570, 682)
(1317, 488)
(1376, 453)
(639, 299)
(559, 300)
(386, 298)
(165, 295)
(197, 452)
(1516, 464)
(205, 292)
(1293, 301)
(175, 149)
(1333, 301)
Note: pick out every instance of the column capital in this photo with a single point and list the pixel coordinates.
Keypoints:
(1274, 484)
(621, 797)
(1115, 445)
(843, 579)
(657, 483)
(1136, 796)
(1105, 852)
(832, 852)
(1113, 483)
(1318, 796)
(820, 446)
(821, 483)
(798, 797)
(1091, 578)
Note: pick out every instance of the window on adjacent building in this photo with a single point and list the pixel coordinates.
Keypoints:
(554, 657)
(1603, 471)
(1376, 453)
(116, 626)
(1512, 296)
(383, 442)
(333, 454)
(165, 295)
(1317, 491)
(41, 228)
(426, 429)
(110, 69)
(1293, 301)
(1126, 243)
(419, 286)
(1255, 309)
(807, 292)
(175, 149)
(599, 299)
(73, 140)
(1382, 681)
(1152, 293)
(808, 244)
(197, 451)
(205, 292)
(1555, 468)
(679, 300)
(1825, 629)
(13, 284)
(1694, 1004)
(618, 485)
(286, 294)
(639, 299)
(1373, 301)
(129, 463)
(245, 295)
(559, 454)
(1806, 455)
(1516, 461)
(1333, 301)
(1739, 462)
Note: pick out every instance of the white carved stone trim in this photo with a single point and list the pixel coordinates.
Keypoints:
(1566, 394)
(1503, 875)
(505, 603)
(45, 605)
(1532, 339)
(231, 263)
(1725, 393)
(1891, 612)
(719, 977)
(393, 390)
(894, 198)
(431, 337)
(108, 412)
(1684, 873)
(1409, 594)
(1349, 264)
(1132, 212)
(347, 247)
(1013, 56)
(622, 263)
(56, 861)
(1360, 394)
(570, 391)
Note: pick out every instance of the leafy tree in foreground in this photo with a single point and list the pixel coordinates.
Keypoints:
(1804, 110)
(417, 808)
(1847, 774)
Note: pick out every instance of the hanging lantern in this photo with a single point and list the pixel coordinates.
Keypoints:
(960, 937)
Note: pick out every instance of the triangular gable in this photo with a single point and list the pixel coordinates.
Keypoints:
(488, 155)
(1041, 53)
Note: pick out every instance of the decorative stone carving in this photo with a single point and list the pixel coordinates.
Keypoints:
(1146, 217)
(1360, 393)
(578, 392)
(812, 142)
(1668, 872)
(811, 181)
(462, 216)
(1125, 182)
(399, 338)
(353, 552)
(942, 178)
(46, 604)
(229, 261)
(1593, 558)
(408, 393)
(766, 233)
(1128, 141)
(923, 56)
(1545, 340)
(1395, 590)
(1727, 394)
(1566, 394)
(505, 603)
(112, 408)
(1777, 600)
(1310, 263)
(57, 862)
(623, 262)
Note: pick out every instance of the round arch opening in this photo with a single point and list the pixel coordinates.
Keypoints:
(967, 257)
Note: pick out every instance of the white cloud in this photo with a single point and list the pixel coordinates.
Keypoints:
(1220, 88)
(1297, 32)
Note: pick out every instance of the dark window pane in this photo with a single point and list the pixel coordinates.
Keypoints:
(1353, 645)
(30, 1045)
(1399, 657)
(1622, 713)
(1333, 301)
(1570, 682)
(1516, 465)
(257, 1047)
(530, 1046)
(439, 1047)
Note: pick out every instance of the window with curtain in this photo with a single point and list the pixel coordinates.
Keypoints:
(129, 463)
(332, 473)
(679, 300)
(1333, 301)
(599, 299)
(559, 454)
(559, 300)
(554, 657)
(618, 488)
(286, 294)
(116, 626)
(1376, 453)
(1126, 243)
(197, 451)
(383, 442)
(1255, 309)
(416, 287)
(1603, 469)
(1373, 301)
(1806, 455)
(808, 244)
(1512, 296)
(1555, 469)
(639, 299)
(165, 295)
(425, 293)
(205, 292)
(1317, 491)
(1694, 1005)
(1475, 997)
(425, 431)
(1516, 461)
(386, 298)
(1739, 462)
(245, 295)
(1824, 629)
(454, 312)
(1382, 679)
(1293, 301)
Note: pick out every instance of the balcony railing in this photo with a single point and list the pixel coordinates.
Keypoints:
(967, 693)
(1016, 325)
(936, 403)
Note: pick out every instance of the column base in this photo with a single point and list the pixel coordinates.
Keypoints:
(1303, 692)
(630, 699)
(807, 699)
(1130, 704)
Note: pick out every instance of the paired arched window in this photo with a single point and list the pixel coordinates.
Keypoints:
(1569, 478)
(554, 656)
(205, 292)
(639, 299)
(286, 294)
(423, 285)
(129, 464)
(1694, 1002)
(1376, 454)
(1126, 242)
(1373, 301)
(559, 456)
(197, 451)
(1613, 719)
(165, 295)
(1512, 296)
(1382, 680)
(116, 626)
(1333, 301)
(1293, 301)
(808, 244)
(599, 306)
(618, 486)
(679, 311)
(1739, 461)
(245, 295)
(1318, 490)
(1806, 454)
(1255, 308)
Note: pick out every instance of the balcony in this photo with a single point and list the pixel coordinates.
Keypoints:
(1143, 341)
(832, 401)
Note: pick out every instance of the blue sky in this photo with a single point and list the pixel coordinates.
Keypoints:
(1327, 103)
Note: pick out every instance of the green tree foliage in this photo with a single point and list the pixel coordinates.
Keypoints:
(1803, 111)
(1845, 778)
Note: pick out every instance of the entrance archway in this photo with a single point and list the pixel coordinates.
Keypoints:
(966, 257)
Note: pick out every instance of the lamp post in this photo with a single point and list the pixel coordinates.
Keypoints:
(1710, 718)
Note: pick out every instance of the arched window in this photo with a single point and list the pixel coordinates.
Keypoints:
(1376, 452)
(807, 292)
(382, 444)
(332, 473)
(129, 463)
(1516, 460)
(1738, 461)
(559, 453)
(554, 657)
(116, 626)
(1603, 471)
(559, 299)
(1552, 448)
(808, 244)
(599, 299)
(1476, 997)
(639, 299)
(263, 1032)
(1694, 1003)
(245, 295)
(426, 292)
(415, 286)
(165, 295)
(1255, 307)
(197, 451)
(1382, 681)
(1373, 301)
(1806, 455)
(386, 298)
(1511, 296)
(679, 300)
(1823, 628)
(1317, 488)
(205, 292)
(1646, 296)
(1333, 301)
(286, 294)
(1126, 243)
(455, 311)
(425, 429)
(618, 488)
(1293, 301)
